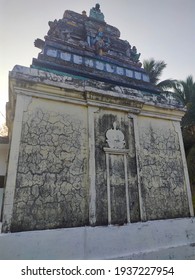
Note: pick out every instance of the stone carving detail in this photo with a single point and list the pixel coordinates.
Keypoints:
(87, 34)
(50, 188)
(134, 55)
(115, 138)
(96, 13)
(87, 46)
(99, 42)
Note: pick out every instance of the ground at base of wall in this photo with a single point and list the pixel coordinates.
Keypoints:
(165, 239)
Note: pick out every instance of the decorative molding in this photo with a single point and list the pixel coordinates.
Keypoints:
(97, 64)
(95, 91)
(162, 112)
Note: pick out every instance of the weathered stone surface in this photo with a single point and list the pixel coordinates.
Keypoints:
(63, 124)
(51, 188)
(47, 195)
(162, 175)
(107, 92)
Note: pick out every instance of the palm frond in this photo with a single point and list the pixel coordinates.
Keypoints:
(154, 69)
(186, 89)
(167, 84)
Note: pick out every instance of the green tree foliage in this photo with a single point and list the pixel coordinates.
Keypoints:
(185, 90)
(155, 69)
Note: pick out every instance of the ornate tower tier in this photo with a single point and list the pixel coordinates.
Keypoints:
(89, 47)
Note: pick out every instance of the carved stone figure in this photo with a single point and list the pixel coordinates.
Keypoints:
(100, 43)
(96, 13)
(84, 13)
(54, 30)
(134, 55)
(89, 37)
(128, 49)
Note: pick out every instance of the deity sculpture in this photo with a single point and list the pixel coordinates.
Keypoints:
(100, 43)
(96, 13)
(54, 30)
(134, 55)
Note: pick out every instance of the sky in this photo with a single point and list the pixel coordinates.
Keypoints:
(160, 29)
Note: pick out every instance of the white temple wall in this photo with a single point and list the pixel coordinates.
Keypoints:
(64, 171)
(163, 181)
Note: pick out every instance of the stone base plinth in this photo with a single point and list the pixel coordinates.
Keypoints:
(163, 239)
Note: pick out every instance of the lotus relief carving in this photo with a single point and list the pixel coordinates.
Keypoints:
(115, 138)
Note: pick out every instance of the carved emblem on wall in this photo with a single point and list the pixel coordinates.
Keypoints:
(115, 138)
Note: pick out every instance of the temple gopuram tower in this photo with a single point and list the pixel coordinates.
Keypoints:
(93, 146)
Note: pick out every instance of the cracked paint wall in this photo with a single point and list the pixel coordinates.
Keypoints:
(51, 184)
(64, 163)
(161, 169)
